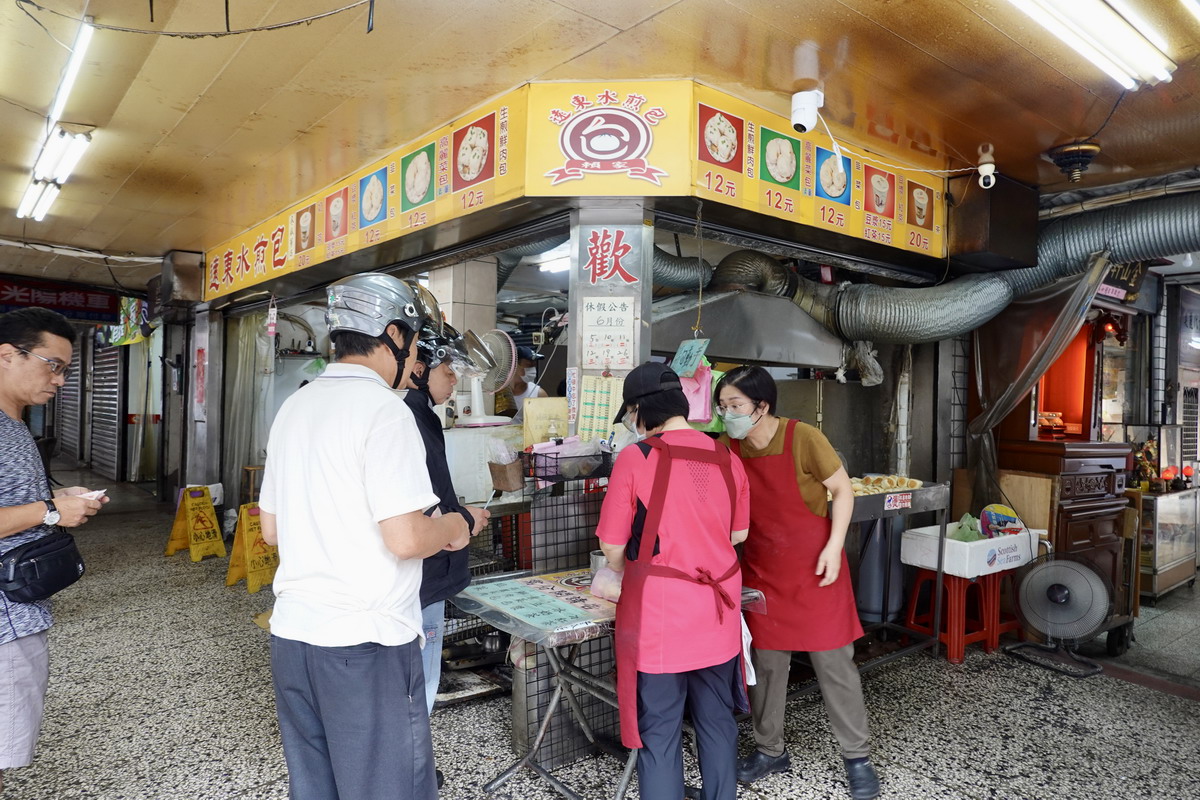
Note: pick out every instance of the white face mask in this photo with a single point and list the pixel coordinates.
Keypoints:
(529, 375)
(630, 421)
(738, 426)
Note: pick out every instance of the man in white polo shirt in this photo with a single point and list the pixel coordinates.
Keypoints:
(344, 494)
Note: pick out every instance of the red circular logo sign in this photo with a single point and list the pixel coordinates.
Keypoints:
(606, 134)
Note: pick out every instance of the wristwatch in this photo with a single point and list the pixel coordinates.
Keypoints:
(52, 516)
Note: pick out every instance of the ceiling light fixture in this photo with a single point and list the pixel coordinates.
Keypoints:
(1109, 34)
(78, 50)
(49, 195)
(32, 194)
(1192, 6)
(60, 154)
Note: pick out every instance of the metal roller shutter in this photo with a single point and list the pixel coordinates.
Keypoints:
(107, 427)
(70, 408)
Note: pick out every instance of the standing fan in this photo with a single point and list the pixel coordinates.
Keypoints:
(496, 355)
(1065, 600)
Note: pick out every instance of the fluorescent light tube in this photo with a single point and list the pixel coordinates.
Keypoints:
(1125, 47)
(52, 153)
(79, 143)
(556, 265)
(29, 200)
(1192, 6)
(82, 39)
(45, 201)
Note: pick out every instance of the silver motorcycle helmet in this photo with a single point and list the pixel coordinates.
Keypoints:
(367, 303)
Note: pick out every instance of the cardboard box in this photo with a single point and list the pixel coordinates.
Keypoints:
(918, 548)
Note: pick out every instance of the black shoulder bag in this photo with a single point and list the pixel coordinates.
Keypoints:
(37, 569)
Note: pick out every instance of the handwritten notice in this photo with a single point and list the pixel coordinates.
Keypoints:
(608, 329)
(688, 356)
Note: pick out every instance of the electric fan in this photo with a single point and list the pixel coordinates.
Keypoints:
(1065, 600)
(496, 355)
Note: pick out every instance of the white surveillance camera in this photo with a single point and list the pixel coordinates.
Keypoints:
(987, 176)
(804, 109)
(987, 166)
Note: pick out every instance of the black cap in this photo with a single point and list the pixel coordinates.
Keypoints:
(649, 378)
(528, 354)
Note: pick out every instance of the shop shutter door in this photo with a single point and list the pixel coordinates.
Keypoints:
(107, 425)
(70, 409)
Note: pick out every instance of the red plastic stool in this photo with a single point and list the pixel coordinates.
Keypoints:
(954, 634)
(998, 623)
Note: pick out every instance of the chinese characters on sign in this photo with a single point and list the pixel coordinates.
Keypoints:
(73, 302)
(605, 251)
(607, 135)
(609, 327)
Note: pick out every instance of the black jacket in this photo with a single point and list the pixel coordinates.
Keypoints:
(446, 573)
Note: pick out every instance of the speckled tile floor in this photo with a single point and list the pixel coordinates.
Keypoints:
(160, 690)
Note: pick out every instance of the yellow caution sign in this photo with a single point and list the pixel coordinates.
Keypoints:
(195, 526)
(252, 559)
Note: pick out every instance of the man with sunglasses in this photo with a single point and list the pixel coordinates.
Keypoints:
(35, 354)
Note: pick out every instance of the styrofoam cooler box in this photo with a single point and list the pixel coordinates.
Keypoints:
(918, 548)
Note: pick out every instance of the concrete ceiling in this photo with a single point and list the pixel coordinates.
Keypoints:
(197, 139)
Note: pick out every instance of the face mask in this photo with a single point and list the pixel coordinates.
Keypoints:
(738, 425)
(529, 375)
(630, 421)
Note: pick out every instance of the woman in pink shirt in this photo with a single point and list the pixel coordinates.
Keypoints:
(677, 504)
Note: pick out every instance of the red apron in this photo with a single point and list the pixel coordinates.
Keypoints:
(780, 558)
(633, 584)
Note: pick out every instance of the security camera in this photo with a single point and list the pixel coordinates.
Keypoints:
(987, 166)
(804, 109)
(987, 176)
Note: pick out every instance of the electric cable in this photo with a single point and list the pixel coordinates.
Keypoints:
(193, 34)
(842, 148)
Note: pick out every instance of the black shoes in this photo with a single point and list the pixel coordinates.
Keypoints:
(864, 783)
(440, 778)
(759, 765)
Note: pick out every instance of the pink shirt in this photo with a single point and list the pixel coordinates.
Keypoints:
(679, 626)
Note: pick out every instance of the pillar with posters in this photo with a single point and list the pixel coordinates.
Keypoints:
(610, 287)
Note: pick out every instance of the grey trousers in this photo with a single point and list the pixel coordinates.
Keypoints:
(841, 688)
(353, 721)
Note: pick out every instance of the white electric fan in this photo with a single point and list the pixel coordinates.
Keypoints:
(496, 355)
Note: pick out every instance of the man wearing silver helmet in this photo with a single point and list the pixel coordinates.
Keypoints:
(344, 494)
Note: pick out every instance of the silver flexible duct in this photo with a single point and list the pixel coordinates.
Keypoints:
(1135, 232)
(1164, 226)
(679, 272)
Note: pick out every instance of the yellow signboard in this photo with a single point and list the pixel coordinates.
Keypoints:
(252, 558)
(608, 139)
(604, 139)
(472, 164)
(195, 526)
(748, 157)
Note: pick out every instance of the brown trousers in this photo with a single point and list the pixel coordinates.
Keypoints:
(841, 688)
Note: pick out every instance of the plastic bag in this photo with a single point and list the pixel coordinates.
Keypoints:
(606, 584)
(967, 530)
(698, 391)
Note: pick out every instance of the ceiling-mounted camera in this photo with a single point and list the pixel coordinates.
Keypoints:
(804, 109)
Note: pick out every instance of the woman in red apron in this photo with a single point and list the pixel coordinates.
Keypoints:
(795, 556)
(677, 503)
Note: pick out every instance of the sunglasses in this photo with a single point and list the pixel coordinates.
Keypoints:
(56, 367)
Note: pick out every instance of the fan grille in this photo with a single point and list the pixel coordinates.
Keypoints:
(1066, 600)
(504, 356)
